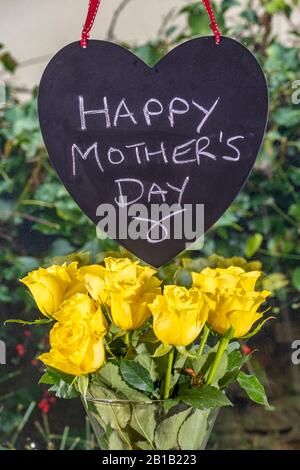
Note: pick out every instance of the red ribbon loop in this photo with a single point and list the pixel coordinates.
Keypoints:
(93, 9)
(90, 18)
(213, 22)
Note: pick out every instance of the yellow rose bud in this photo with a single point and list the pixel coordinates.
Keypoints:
(81, 307)
(94, 279)
(77, 339)
(130, 298)
(179, 315)
(128, 314)
(123, 266)
(50, 287)
(232, 298)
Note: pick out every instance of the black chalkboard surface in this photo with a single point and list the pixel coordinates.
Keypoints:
(185, 133)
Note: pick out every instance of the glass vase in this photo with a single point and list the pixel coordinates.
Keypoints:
(149, 425)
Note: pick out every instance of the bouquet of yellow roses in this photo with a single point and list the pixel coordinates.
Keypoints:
(151, 362)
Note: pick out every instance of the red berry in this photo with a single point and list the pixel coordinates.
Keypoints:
(44, 406)
(246, 349)
(20, 349)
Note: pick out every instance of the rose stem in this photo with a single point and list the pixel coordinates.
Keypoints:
(168, 374)
(203, 341)
(127, 339)
(221, 349)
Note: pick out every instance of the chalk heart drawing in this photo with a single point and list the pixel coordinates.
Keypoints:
(185, 132)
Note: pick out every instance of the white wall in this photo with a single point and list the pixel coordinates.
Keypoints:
(32, 29)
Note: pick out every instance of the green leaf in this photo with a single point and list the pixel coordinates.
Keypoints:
(26, 264)
(221, 369)
(228, 378)
(233, 346)
(170, 403)
(82, 384)
(54, 376)
(109, 375)
(296, 278)
(110, 410)
(49, 379)
(149, 53)
(286, 116)
(143, 445)
(5, 296)
(206, 397)
(143, 357)
(235, 362)
(8, 62)
(40, 321)
(143, 420)
(148, 337)
(197, 20)
(273, 6)
(258, 328)
(170, 31)
(193, 431)
(250, 15)
(253, 244)
(294, 211)
(166, 434)
(118, 441)
(204, 363)
(64, 390)
(109, 378)
(182, 350)
(162, 350)
(60, 247)
(275, 281)
(136, 376)
(178, 366)
(254, 389)
(198, 363)
(182, 277)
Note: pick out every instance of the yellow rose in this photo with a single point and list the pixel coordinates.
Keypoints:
(179, 315)
(128, 314)
(130, 297)
(209, 280)
(125, 286)
(130, 278)
(76, 340)
(100, 280)
(232, 298)
(50, 287)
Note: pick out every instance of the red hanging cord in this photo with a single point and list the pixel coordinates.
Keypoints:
(93, 9)
(213, 22)
(90, 18)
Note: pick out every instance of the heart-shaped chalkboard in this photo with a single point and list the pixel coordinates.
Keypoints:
(140, 149)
